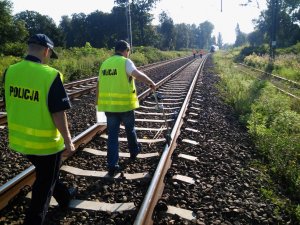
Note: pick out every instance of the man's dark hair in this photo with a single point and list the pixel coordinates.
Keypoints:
(121, 46)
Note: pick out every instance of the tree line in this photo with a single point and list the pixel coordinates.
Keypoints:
(279, 22)
(102, 29)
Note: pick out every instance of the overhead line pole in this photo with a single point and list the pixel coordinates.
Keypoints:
(129, 29)
(273, 29)
(221, 5)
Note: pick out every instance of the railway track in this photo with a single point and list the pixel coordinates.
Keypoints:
(200, 178)
(211, 179)
(80, 119)
(28, 175)
(286, 86)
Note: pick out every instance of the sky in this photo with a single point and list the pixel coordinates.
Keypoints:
(181, 11)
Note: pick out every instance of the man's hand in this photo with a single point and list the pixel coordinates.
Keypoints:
(60, 121)
(152, 85)
(70, 149)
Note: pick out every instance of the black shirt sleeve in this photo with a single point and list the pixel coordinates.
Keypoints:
(2, 91)
(58, 99)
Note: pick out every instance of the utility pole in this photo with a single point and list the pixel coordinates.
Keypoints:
(129, 29)
(273, 30)
(221, 5)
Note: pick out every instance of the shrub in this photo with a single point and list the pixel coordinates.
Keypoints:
(249, 50)
(78, 63)
(257, 61)
(6, 61)
(287, 122)
(139, 58)
(297, 212)
(13, 49)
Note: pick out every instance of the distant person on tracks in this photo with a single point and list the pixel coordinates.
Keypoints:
(201, 53)
(117, 97)
(36, 101)
(194, 53)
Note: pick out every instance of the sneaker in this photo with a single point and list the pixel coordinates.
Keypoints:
(114, 170)
(72, 192)
(134, 155)
(111, 172)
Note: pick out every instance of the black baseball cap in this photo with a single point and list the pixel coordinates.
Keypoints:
(43, 40)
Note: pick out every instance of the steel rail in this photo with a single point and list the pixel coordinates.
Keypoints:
(26, 178)
(287, 93)
(278, 88)
(11, 188)
(273, 75)
(79, 82)
(161, 63)
(78, 93)
(144, 216)
(160, 83)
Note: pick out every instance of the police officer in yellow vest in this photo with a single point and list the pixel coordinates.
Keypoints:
(35, 101)
(117, 97)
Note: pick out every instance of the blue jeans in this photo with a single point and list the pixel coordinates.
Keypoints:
(114, 120)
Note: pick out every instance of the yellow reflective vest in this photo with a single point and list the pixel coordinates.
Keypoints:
(116, 92)
(31, 129)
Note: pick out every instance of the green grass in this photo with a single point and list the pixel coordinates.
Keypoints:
(286, 63)
(274, 125)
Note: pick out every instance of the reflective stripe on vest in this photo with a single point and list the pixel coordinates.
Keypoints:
(33, 132)
(116, 92)
(30, 124)
(46, 146)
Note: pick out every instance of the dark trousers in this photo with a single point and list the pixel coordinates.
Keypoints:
(114, 120)
(45, 185)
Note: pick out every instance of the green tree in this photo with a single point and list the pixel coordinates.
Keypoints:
(241, 38)
(99, 27)
(140, 19)
(194, 36)
(78, 28)
(182, 36)
(285, 22)
(66, 27)
(10, 30)
(205, 35)
(213, 40)
(5, 20)
(167, 31)
(118, 25)
(256, 38)
(37, 23)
